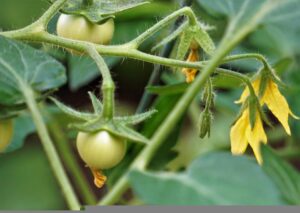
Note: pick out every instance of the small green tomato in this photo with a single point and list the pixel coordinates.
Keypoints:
(100, 150)
(79, 28)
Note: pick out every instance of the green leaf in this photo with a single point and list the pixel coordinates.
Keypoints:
(171, 89)
(215, 179)
(23, 126)
(283, 11)
(71, 112)
(163, 104)
(22, 64)
(100, 10)
(136, 119)
(204, 40)
(283, 174)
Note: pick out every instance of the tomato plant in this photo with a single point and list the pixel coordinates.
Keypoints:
(183, 142)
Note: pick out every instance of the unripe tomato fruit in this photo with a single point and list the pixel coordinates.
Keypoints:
(79, 28)
(100, 150)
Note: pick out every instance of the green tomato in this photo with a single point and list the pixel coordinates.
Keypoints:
(100, 150)
(79, 28)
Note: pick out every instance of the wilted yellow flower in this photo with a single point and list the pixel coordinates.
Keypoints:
(99, 178)
(274, 100)
(190, 73)
(242, 134)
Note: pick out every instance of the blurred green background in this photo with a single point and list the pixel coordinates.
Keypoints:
(26, 181)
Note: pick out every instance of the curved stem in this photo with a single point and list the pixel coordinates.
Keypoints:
(50, 13)
(187, 11)
(257, 56)
(238, 76)
(52, 155)
(108, 86)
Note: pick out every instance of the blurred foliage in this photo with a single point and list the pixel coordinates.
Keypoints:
(27, 182)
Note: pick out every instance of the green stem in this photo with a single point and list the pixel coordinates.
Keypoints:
(257, 56)
(38, 26)
(50, 150)
(187, 11)
(238, 76)
(67, 155)
(50, 13)
(108, 86)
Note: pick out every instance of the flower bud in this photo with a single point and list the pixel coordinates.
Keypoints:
(205, 123)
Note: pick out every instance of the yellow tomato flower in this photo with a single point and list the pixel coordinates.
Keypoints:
(274, 100)
(99, 178)
(190, 73)
(278, 105)
(242, 134)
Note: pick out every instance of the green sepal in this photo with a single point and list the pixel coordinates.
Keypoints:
(186, 39)
(252, 102)
(114, 127)
(71, 112)
(171, 37)
(203, 39)
(97, 105)
(100, 10)
(136, 119)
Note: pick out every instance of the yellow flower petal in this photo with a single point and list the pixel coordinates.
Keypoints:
(245, 94)
(256, 136)
(190, 73)
(99, 178)
(238, 137)
(278, 105)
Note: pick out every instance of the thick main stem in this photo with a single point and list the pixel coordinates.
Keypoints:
(65, 150)
(51, 153)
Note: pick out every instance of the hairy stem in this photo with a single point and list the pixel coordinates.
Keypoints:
(51, 153)
(108, 86)
(187, 11)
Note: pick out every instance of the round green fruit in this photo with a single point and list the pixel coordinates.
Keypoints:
(101, 150)
(79, 28)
